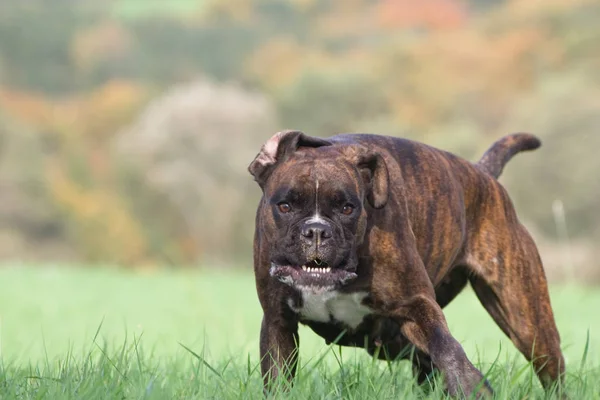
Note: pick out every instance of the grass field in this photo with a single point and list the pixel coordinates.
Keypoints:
(106, 333)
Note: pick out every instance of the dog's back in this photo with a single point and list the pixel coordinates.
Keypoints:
(448, 198)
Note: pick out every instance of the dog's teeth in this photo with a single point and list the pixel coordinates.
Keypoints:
(304, 267)
(328, 269)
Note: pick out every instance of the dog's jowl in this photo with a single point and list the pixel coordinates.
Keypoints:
(366, 238)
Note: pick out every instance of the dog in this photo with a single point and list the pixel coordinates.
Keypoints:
(366, 238)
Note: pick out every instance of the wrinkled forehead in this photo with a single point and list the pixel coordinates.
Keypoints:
(308, 176)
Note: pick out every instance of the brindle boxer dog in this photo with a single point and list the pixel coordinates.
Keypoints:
(366, 238)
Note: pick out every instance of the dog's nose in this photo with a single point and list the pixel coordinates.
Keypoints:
(317, 231)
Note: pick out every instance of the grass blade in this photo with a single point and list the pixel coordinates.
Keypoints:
(202, 360)
(585, 350)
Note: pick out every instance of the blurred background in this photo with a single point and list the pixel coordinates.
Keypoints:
(126, 126)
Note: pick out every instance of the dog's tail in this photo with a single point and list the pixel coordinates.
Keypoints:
(494, 160)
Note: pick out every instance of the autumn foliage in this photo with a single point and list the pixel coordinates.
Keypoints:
(128, 128)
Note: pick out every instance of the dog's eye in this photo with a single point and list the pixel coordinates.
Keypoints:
(347, 210)
(284, 207)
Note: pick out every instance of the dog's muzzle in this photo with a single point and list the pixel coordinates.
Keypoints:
(316, 274)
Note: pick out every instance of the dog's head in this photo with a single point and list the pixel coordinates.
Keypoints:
(315, 195)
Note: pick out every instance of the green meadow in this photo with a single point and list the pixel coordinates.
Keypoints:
(78, 333)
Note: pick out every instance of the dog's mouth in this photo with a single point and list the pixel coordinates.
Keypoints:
(314, 275)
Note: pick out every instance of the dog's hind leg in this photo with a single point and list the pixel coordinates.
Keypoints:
(509, 280)
(451, 286)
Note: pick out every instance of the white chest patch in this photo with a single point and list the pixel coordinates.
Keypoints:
(329, 306)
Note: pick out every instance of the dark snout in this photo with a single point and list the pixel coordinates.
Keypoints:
(318, 240)
(314, 253)
(316, 233)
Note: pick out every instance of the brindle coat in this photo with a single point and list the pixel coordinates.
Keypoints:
(429, 222)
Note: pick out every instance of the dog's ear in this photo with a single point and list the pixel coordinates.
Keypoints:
(277, 149)
(373, 169)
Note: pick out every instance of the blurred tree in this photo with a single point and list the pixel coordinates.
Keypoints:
(30, 228)
(426, 14)
(325, 102)
(76, 170)
(565, 168)
(35, 40)
(454, 73)
(102, 51)
(190, 148)
(140, 9)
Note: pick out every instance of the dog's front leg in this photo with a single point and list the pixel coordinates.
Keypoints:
(279, 343)
(423, 324)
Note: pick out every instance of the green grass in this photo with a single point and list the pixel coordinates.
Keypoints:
(105, 333)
